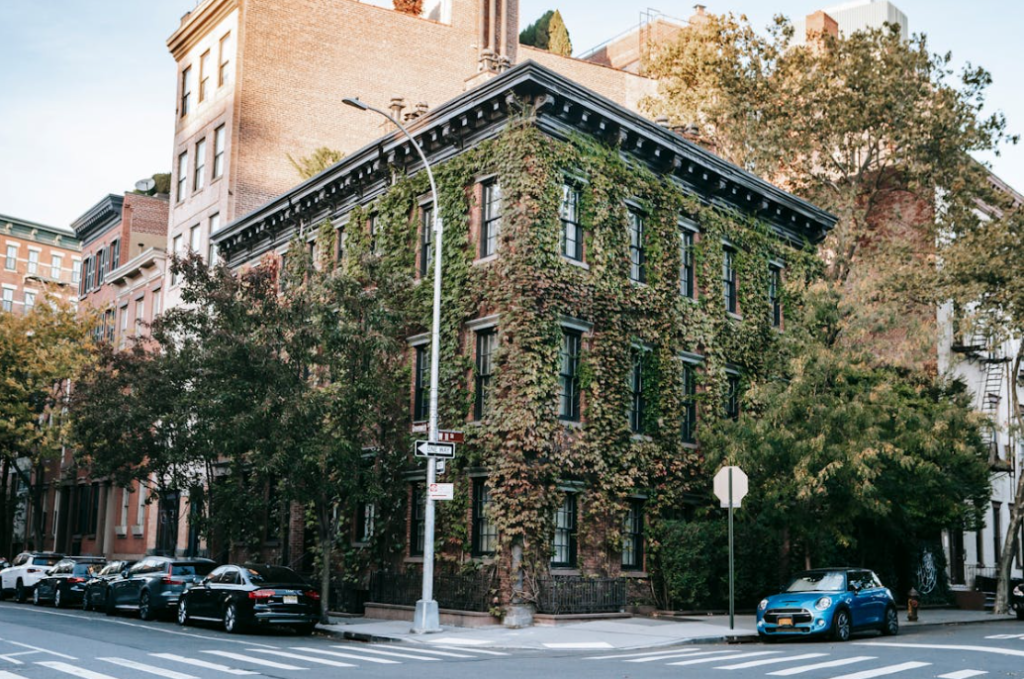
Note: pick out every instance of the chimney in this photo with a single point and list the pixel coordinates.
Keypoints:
(699, 15)
(820, 24)
(397, 106)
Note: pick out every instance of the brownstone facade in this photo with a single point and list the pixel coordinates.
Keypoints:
(36, 258)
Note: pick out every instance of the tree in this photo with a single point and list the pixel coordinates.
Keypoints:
(537, 33)
(316, 162)
(983, 270)
(558, 36)
(40, 354)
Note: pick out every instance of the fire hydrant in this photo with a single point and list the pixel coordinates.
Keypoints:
(913, 602)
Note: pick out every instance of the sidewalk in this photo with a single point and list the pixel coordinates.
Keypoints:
(632, 633)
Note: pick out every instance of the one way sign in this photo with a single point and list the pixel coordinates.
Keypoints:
(434, 449)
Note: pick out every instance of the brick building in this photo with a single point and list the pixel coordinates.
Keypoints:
(37, 258)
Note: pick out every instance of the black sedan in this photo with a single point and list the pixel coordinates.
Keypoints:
(64, 584)
(240, 596)
(1017, 599)
(94, 598)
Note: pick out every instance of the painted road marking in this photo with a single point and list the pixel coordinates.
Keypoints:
(473, 650)
(963, 674)
(72, 670)
(4, 674)
(698, 661)
(392, 654)
(459, 641)
(882, 671)
(201, 663)
(770, 661)
(579, 645)
(36, 648)
(635, 655)
(724, 655)
(296, 656)
(423, 650)
(149, 669)
(943, 647)
(821, 665)
(350, 656)
(256, 661)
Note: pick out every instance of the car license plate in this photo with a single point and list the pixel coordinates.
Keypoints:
(785, 622)
(291, 599)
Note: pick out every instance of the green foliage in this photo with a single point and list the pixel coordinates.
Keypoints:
(316, 162)
(558, 36)
(536, 34)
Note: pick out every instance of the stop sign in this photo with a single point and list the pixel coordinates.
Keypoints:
(739, 485)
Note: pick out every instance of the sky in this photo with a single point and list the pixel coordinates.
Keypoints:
(87, 86)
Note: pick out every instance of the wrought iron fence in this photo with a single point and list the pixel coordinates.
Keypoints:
(575, 595)
(460, 592)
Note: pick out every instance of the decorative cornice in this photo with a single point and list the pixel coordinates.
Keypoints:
(41, 233)
(98, 218)
(560, 108)
(147, 259)
(196, 24)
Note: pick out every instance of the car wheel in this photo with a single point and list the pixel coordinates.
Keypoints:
(20, 593)
(841, 625)
(182, 612)
(145, 607)
(891, 624)
(231, 619)
(58, 599)
(305, 630)
(35, 597)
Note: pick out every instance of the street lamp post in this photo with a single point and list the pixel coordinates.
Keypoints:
(426, 618)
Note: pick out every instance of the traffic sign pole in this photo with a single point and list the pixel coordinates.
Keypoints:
(732, 554)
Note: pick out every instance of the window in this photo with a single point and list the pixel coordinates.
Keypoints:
(637, 268)
(490, 228)
(76, 270)
(140, 507)
(366, 514)
(485, 532)
(182, 174)
(687, 277)
(218, 151)
(200, 178)
(193, 239)
(186, 91)
(774, 287)
(633, 536)
(33, 262)
(154, 306)
(224, 75)
(569, 377)
(637, 401)
(30, 300)
(55, 262)
(732, 396)
(211, 256)
(339, 245)
(729, 280)
(486, 340)
(123, 326)
(176, 251)
(689, 424)
(572, 230)
(140, 314)
(372, 226)
(564, 542)
(426, 240)
(8, 299)
(421, 400)
(101, 266)
(11, 263)
(109, 325)
(90, 264)
(115, 255)
(204, 76)
(419, 517)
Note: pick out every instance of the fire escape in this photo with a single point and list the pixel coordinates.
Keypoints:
(985, 350)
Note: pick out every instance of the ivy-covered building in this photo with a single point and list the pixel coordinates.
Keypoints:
(609, 290)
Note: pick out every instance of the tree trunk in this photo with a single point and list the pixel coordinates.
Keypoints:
(38, 489)
(325, 538)
(1013, 529)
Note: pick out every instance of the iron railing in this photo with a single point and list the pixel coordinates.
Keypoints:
(577, 595)
(460, 592)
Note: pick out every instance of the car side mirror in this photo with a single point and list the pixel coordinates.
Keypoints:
(49, 571)
(124, 573)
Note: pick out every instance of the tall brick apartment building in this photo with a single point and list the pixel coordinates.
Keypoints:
(36, 258)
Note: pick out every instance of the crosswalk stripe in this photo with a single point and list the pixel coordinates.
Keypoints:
(963, 674)
(947, 647)
(882, 671)
(1005, 636)
(350, 656)
(724, 655)
(821, 665)
(296, 656)
(149, 669)
(639, 655)
(770, 661)
(428, 651)
(255, 661)
(483, 651)
(4, 674)
(392, 654)
(699, 661)
(72, 670)
(201, 663)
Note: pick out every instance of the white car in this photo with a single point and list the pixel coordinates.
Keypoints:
(25, 571)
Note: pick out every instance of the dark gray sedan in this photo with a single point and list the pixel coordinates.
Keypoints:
(153, 585)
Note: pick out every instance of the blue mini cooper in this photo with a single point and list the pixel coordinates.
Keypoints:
(830, 601)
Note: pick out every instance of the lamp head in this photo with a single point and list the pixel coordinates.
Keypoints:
(355, 103)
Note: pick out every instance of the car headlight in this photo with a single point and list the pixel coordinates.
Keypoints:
(763, 605)
(1017, 591)
(823, 603)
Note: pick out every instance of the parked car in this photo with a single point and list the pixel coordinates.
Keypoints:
(152, 586)
(1017, 600)
(830, 601)
(65, 583)
(94, 596)
(240, 596)
(23, 574)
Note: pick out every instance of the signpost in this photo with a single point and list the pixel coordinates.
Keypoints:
(731, 487)
(434, 449)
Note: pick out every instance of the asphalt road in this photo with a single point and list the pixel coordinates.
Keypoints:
(44, 643)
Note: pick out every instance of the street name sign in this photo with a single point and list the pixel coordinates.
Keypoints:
(434, 449)
(731, 496)
(441, 491)
(448, 436)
